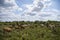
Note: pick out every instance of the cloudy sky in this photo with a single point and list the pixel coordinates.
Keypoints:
(29, 10)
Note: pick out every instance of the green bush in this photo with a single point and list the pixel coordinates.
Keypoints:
(38, 30)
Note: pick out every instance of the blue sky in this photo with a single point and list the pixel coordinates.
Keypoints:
(29, 10)
(21, 2)
(56, 4)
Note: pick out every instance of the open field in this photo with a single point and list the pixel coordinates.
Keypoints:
(37, 30)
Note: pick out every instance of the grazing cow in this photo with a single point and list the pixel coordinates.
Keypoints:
(22, 26)
(42, 25)
(16, 27)
(7, 29)
(52, 26)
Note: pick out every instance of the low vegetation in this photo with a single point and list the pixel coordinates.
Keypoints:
(25, 30)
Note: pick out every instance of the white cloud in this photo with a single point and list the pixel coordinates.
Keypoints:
(35, 13)
(37, 5)
(38, 10)
(42, 15)
(7, 9)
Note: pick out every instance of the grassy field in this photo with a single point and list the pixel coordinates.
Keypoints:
(38, 30)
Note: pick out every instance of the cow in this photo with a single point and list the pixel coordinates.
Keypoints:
(7, 29)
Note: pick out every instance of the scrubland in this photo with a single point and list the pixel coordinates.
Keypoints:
(25, 30)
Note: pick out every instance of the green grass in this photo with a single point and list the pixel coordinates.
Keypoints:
(33, 30)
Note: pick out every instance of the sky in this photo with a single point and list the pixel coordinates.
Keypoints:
(29, 10)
